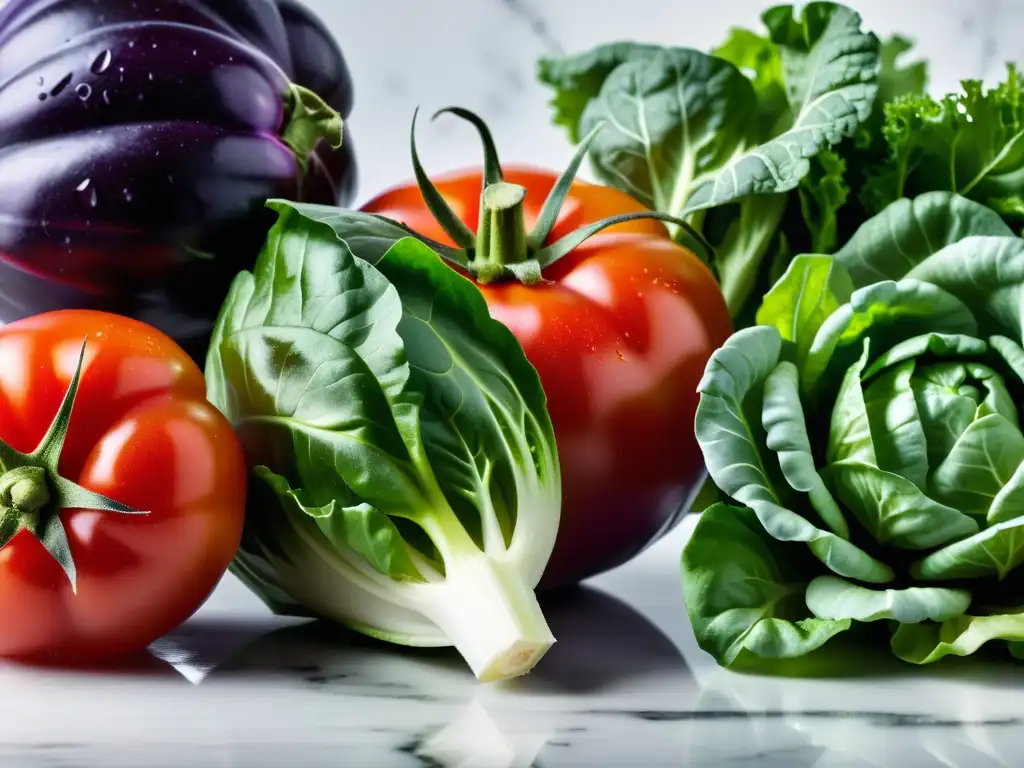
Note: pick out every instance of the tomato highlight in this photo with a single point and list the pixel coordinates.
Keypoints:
(122, 490)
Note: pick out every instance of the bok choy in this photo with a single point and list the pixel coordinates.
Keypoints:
(405, 480)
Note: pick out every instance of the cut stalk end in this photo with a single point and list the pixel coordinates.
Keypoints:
(491, 616)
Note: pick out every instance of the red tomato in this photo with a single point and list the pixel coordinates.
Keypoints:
(143, 434)
(620, 339)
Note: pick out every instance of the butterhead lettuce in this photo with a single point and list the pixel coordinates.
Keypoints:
(868, 435)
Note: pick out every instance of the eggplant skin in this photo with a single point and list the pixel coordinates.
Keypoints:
(139, 143)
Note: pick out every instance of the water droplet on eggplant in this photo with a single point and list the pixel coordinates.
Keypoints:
(42, 97)
(127, 195)
(84, 91)
(88, 192)
(41, 81)
(59, 87)
(106, 97)
(102, 62)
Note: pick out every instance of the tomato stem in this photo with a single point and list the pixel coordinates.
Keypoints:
(33, 493)
(502, 238)
(24, 489)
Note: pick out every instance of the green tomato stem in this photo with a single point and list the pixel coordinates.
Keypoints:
(24, 489)
(502, 239)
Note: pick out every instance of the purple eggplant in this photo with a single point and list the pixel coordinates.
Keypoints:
(140, 141)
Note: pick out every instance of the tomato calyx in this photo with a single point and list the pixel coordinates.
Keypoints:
(501, 249)
(33, 493)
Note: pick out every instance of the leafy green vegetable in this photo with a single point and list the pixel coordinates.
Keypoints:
(970, 143)
(868, 426)
(406, 480)
(691, 134)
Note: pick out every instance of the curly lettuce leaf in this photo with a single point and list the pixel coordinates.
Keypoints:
(970, 143)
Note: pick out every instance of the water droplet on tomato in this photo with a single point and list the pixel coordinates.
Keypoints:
(618, 353)
(102, 62)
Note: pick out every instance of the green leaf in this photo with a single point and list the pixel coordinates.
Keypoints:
(981, 462)
(830, 68)
(315, 397)
(576, 80)
(742, 594)
(961, 636)
(932, 346)
(896, 427)
(741, 253)
(894, 510)
(1011, 352)
(812, 288)
(368, 531)
(946, 410)
(888, 312)
(484, 412)
(733, 444)
(995, 551)
(849, 437)
(987, 275)
(970, 143)
(1008, 504)
(787, 436)
(888, 246)
(823, 192)
(671, 116)
(368, 234)
(831, 598)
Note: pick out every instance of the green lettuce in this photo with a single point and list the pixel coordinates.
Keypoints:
(694, 135)
(867, 437)
(970, 143)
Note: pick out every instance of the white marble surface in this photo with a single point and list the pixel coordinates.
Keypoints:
(625, 685)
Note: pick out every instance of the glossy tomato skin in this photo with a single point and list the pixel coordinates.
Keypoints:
(142, 433)
(620, 338)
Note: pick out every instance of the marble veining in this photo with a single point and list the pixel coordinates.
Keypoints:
(625, 684)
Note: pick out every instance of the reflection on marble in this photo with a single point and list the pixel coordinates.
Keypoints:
(624, 685)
